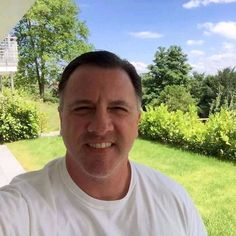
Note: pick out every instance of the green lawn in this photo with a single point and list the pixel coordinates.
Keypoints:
(52, 117)
(34, 154)
(210, 182)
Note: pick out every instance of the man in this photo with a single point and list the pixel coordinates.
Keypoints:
(95, 189)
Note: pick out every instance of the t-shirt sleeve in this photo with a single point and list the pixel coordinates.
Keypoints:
(14, 216)
(196, 226)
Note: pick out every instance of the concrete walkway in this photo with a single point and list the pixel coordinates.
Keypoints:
(50, 134)
(9, 166)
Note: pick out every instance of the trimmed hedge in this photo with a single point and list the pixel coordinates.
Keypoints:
(19, 118)
(215, 137)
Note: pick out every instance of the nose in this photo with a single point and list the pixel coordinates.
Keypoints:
(100, 123)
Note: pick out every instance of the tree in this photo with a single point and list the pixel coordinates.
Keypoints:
(226, 91)
(204, 90)
(49, 35)
(176, 97)
(170, 68)
(213, 92)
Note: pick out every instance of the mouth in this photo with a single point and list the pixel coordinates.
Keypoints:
(100, 145)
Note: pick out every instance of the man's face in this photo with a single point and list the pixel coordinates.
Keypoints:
(99, 120)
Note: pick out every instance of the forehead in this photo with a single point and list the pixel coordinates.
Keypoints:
(89, 80)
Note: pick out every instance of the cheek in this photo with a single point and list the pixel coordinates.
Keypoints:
(134, 131)
(73, 125)
(129, 130)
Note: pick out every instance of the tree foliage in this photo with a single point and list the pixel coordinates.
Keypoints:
(49, 35)
(176, 97)
(213, 92)
(226, 90)
(204, 90)
(170, 68)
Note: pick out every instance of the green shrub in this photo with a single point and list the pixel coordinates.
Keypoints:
(50, 96)
(220, 136)
(19, 118)
(155, 122)
(216, 137)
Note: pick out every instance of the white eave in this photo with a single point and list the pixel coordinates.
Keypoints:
(11, 11)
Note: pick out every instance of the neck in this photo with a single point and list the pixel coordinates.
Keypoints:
(112, 187)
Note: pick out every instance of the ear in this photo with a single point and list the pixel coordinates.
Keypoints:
(139, 117)
(59, 109)
(138, 121)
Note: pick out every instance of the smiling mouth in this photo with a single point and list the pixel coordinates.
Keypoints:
(100, 145)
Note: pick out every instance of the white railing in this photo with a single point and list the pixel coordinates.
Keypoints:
(8, 55)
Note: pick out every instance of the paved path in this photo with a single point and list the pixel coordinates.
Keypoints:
(9, 166)
(50, 134)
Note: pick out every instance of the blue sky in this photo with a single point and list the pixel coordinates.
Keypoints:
(134, 29)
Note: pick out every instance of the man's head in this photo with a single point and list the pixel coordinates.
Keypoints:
(102, 59)
(99, 114)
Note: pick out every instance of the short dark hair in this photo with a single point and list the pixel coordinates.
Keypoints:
(102, 59)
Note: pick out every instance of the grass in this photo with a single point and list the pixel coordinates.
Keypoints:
(34, 154)
(52, 117)
(210, 182)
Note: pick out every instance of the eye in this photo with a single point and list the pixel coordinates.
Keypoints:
(119, 109)
(82, 109)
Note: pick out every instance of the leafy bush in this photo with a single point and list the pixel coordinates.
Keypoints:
(176, 97)
(220, 135)
(19, 118)
(216, 137)
(51, 96)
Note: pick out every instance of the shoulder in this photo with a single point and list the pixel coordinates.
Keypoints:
(157, 180)
(33, 177)
(32, 184)
(159, 189)
(168, 196)
(24, 199)
(13, 212)
(24, 194)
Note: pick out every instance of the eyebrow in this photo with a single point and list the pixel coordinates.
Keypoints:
(89, 102)
(119, 103)
(80, 102)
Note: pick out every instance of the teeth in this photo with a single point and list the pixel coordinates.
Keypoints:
(100, 145)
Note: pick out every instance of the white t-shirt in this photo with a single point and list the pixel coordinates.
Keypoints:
(48, 203)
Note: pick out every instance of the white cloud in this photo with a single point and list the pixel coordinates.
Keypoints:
(146, 35)
(197, 53)
(223, 60)
(228, 46)
(191, 4)
(226, 57)
(226, 29)
(140, 66)
(196, 3)
(191, 42)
